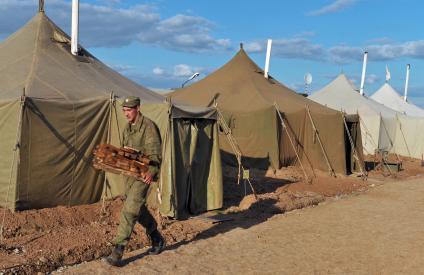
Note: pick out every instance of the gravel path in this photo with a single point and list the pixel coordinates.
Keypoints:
(379, 232)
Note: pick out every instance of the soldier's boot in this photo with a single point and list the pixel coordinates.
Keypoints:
(158, 243)
(115, 258)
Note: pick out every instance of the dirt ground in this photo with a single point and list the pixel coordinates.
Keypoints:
(47, 239)
(379, 232)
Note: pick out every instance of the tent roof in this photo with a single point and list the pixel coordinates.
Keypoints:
(389, 97)
(240, 86)
(37, 57)
(341, 94)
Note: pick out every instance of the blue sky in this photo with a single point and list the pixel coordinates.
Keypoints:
(160, 43)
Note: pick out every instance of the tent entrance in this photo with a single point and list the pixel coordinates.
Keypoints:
(193, 143)
(354, 158)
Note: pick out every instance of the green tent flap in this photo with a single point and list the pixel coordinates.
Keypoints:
(10, 113)
(57, 139)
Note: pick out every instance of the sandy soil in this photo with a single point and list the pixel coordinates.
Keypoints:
(379, 232)
(47, 239)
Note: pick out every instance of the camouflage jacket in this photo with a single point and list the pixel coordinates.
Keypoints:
(143, 135)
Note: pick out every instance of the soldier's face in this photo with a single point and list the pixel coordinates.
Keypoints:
(131, 113)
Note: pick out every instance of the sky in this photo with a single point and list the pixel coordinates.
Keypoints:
(160, 43)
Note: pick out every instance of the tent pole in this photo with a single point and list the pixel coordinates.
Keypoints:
(234, 147)
(108, 140)
(390, 139)
(403, 136)
(364, 176)
(391, 142)
(368, 133)
(330, 169)
(15, 151)
(290, 139)
(405, 96)
(117, 123)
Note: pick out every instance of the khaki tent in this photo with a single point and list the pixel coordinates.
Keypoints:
(251, 105)
(54, 109)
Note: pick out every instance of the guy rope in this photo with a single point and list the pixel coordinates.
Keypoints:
(234, 146)
(283, 124)
(316, 134)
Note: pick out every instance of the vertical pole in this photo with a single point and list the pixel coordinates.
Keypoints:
(364, 70)
(268, 56)
(408, 68)
(75, 23)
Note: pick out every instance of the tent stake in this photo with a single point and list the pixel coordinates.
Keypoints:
(291, 141)
(330, 169)
(363, 175)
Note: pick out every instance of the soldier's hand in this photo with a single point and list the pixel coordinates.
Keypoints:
(148, 178)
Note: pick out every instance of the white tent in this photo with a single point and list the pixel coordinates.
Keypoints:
(382, 128)
(388, 96)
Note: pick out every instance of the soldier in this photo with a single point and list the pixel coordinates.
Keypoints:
(140, 133)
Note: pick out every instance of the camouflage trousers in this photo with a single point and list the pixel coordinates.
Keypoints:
(134, 210)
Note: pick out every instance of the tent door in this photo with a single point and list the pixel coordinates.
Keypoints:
(351, 163)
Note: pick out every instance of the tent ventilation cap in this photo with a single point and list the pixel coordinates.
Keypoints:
(41, 5)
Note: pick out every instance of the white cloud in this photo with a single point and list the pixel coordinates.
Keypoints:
(299, 47)
(169, 77)
(120, 67)
(184, 33)
(345, 54)
(254, 47)
(332, 8)
(370, 79)
(296, 47)
(158, 71)
(183, 70)
(383, 52)
(103, 24)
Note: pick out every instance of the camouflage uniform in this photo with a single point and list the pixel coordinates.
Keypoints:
(143, 136)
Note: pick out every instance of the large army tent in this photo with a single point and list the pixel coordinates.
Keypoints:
(251, 105)
(412, 124)
(388, 96)
(382, 128)
(54, 109)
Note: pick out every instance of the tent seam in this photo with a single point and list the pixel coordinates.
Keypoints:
(34, 59)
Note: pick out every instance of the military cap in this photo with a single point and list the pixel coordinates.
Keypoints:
(131, 102)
